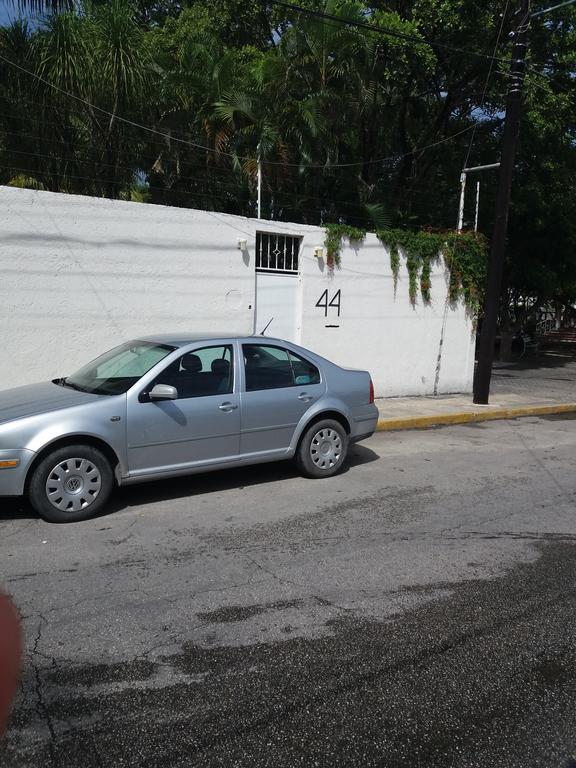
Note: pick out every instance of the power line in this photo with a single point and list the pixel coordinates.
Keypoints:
(553, 8)
(138, 165)
(380, 30)
(98, 163)
(215, 168)
(207, 182)
(193, 195)
(134, 167)
(115, 182)
(391, 158)
(483, 99)
(111, 114)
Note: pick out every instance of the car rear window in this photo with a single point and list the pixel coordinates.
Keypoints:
(271, 367)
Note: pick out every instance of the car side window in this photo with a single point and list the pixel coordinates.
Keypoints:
(201, 373)
(269, 367)
(304, 372)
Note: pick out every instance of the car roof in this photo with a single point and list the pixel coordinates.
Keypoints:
(183, 339)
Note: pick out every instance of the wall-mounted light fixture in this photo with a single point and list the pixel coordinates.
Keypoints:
(242, 245)
(319, 251)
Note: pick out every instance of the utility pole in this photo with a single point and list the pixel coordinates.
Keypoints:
(259, 206)
(496, 264)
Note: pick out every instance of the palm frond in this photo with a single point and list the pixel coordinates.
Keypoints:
(42, 6)
(379, 217)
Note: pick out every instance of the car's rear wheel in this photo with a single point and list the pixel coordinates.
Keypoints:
(71, 484)
(323, 449)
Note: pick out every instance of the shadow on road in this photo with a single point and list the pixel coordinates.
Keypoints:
(544, 360)
(15, 509)
(192, 485)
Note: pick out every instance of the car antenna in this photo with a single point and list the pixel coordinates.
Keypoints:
(266, 328)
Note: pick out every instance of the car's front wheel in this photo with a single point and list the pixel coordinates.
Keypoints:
(323, 449)
(71, 484)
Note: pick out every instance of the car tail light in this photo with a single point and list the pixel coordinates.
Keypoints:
(371, 392)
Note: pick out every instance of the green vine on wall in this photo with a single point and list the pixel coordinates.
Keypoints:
(335, 233)
(394, 263)
(464, 254)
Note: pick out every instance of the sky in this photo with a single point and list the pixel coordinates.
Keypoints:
(8, 12)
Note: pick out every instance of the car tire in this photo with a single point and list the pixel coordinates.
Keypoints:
(71, 484)
(323, 449)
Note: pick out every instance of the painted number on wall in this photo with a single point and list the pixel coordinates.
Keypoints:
(325, 303)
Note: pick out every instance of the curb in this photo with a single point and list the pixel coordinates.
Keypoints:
(470, 417)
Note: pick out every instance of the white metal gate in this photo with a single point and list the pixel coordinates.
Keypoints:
(277, 285)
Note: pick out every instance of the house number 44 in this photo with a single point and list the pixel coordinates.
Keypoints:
(325, 303)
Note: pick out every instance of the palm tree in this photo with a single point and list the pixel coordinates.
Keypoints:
(93, 71)
(42, 6)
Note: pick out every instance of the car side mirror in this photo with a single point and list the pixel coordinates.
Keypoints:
(163, 392)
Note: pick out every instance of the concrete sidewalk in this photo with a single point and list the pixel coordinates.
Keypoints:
(420, 412)
(546, 385)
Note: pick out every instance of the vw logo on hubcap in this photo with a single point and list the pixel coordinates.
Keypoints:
(73, 485)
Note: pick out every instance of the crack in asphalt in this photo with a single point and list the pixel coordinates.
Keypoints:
(41, 708)
(281, 579)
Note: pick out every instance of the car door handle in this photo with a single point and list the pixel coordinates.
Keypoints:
(227, 407)
(305, 397)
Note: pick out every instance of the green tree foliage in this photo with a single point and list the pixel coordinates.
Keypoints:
(541, 266)
(352, 127)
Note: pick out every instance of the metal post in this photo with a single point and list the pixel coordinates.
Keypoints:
(496, 265)
(481, 168)
(463, 177)
(259, 187)
(477, 206)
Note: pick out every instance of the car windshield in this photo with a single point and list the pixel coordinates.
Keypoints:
(114, 372)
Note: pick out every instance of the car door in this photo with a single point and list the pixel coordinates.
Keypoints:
(202, 426)
(279, 387)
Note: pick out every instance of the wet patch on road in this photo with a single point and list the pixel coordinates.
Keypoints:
(389, 506)
(482, 678)
(88, 675)
(233, 613)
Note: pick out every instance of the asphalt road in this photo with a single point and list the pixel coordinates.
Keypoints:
(417, 610)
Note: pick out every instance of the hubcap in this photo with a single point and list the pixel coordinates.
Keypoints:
(326, 448)
(73, 485)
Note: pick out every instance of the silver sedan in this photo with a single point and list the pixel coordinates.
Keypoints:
(167, 406)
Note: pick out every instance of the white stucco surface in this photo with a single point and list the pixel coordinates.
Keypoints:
(380, 330)
(79, 275)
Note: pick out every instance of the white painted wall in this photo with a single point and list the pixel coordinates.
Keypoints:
(79, 275)
(380, 330)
